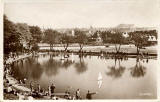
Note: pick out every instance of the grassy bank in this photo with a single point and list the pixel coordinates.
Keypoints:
(95, 50)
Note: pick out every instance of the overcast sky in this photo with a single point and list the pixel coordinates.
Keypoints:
(63, 14)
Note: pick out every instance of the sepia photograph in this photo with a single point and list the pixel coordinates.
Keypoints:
(80, 50)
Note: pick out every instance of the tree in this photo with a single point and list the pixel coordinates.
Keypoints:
(139, 39)
(35, 47)
(66, 40)
(117, 39)
(36, 33)
(11, 37)
(52, 37)
(25, 34)
(81, 38)
(95, 35)
(106, 36)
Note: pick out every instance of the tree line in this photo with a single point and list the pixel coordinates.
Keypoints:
(20, 37)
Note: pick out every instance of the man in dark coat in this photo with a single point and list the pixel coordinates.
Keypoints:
(52, 87)
(89, 95)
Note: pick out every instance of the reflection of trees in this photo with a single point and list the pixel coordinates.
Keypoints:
(17, 71)
(33, 68)
(138, 70)
(36, 70)
(117, 70)
(51, 66)
(30, 68)
(81, 66)
(67, 63)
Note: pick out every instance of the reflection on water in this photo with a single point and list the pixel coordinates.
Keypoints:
(138, 70)
(81, 66)
(117, 70)
(72, 72)
(67, 63)
(28, 68)
(51, 66)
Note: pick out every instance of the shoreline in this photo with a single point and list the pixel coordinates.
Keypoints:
(92, 50)
(105, 54)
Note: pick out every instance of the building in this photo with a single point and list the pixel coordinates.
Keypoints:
(99, 39)
(125, 34)
(152, 38)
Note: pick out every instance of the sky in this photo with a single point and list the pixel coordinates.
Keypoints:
(85, 13)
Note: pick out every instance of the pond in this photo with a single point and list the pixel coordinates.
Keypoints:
(121, 79)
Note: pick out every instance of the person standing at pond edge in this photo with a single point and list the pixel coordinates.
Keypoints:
(52, 89)
(78, 94)
(89, 95)
(31, 86)
(39, 88)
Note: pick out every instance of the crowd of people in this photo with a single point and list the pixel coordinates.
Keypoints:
(39, 92)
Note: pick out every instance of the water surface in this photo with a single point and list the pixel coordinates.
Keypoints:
(122, 79)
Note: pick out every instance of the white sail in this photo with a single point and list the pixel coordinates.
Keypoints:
(99, 76)
(100, 80)
(99, 83)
